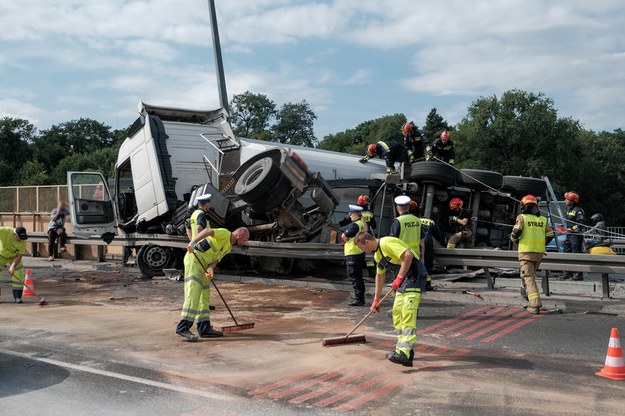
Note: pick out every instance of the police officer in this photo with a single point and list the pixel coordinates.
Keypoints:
(532, 233)
(12, 248)
(367, 215)
(407, 227)
(392, 253)
(391, 152)
(442, 148)
(574, 226)
(413, 141)
(354, 257)
(460, 224)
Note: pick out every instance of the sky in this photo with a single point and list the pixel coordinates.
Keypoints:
(351, 60)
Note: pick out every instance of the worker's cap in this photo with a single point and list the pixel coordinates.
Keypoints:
(402, 200)
(203, 199)
(21, 233)
(355, 209)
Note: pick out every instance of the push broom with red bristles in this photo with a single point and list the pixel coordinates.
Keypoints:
(349, 338)
(230, 328)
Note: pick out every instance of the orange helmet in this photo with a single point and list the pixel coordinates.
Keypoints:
(529, 199)
(455, 203)
(445, 136)
(371, 148)
(572, 196)
(413, 206)
(363, 200)
(407, 128)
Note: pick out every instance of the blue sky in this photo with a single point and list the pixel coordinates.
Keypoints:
(352, 61)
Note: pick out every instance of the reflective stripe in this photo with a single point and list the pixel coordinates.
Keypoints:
(614, 361)
(350, 248)
(385, 146)
(532, 239)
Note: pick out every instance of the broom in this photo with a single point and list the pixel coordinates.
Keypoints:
(236, 326)
(42, 300)
(349, 338)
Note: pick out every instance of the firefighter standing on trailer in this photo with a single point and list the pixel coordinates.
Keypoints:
(413, 141)
(442, 148)
(574, 241)
(391, 252)
(354, 257)
(391, 152)
(532, 233)
(12, 248)
(460, 224)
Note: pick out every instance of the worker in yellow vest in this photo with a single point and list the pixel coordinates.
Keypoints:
(12, 248)
(532, 233)
(354, 257)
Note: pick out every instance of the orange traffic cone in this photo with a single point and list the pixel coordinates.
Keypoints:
(614, 367)
(28, 285)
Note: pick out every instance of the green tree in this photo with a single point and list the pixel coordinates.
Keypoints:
(354, 141)
(434, 124)
(251, 115)
(16, 136)
(33, 173)
(294, 125)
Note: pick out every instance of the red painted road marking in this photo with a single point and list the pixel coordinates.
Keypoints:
(351, 391)
(511, 328)
(468, 321)
(510, 320)
(379, 392)
(304, 386)
(454, 319)
(329, 387)
(274, 386)
(479, 324)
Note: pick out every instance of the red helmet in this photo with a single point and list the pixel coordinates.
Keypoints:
(572, 196)
(413, 206)
(371, 148)
(445, 136)
(455, 203)
(363, 200)
(407, 128)
(529, 199)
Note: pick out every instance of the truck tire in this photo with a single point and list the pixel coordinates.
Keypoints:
(480, 180)
(520, 185)
(274, 197)
(433, 172)
(152, 259)
(257, 179)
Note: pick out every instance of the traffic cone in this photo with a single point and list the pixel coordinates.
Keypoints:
(614, 367)
(28, 285)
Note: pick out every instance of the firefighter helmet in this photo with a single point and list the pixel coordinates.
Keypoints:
(528, 199)
(455, 203)
(363, 200)
(407, 128)
(596, 218)
(413, 206)
(573, 196)
(445, 136)
(371, 148)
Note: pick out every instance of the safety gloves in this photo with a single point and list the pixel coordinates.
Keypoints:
(375, 306)
(364, 159)
(397, 282)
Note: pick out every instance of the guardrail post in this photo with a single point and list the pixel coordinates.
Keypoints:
(34, 249)
(490, 283)
(101, 256)
(545, 283)
(605, 284)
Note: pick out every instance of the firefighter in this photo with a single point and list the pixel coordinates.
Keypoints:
(367, 215)
(442, 149)
(413, 141)
(392, 253)
(597, 240)
(354, 257)
(460, 224)
(574, 231)
(532, 233)
(12, 248)
(391, 152)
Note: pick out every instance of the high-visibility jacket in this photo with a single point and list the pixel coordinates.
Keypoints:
(350, 248)
(532, 239)
(409, 232)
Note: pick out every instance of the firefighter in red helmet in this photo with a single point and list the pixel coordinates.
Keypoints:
(413, 140)
(574, 241)
(442, 149)
(460, 224)
(391, 152)
(532, 233)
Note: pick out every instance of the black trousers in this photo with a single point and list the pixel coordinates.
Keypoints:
(53, 235)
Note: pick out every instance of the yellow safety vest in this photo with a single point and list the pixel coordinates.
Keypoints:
(532, 238)
(410, 232)
(193, 222)
(350, 248)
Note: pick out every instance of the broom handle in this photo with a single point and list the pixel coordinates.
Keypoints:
(367, 315)
(216, 288)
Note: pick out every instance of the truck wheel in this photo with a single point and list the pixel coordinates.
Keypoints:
(433, 172)
(152, 259)
(480, 180)
(274, 197)
(257, 179)
(520, 185)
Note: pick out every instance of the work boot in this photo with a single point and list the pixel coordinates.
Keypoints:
(533, 311)
(211, 308)
(211, 333)
(188, 335)
(399, 358)
(357, 302)
(428, 286)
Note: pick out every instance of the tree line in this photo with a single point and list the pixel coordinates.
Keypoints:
(518, 133)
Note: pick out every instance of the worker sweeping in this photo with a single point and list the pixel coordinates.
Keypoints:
(12, 248)
(392, 253)
(532, 233)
